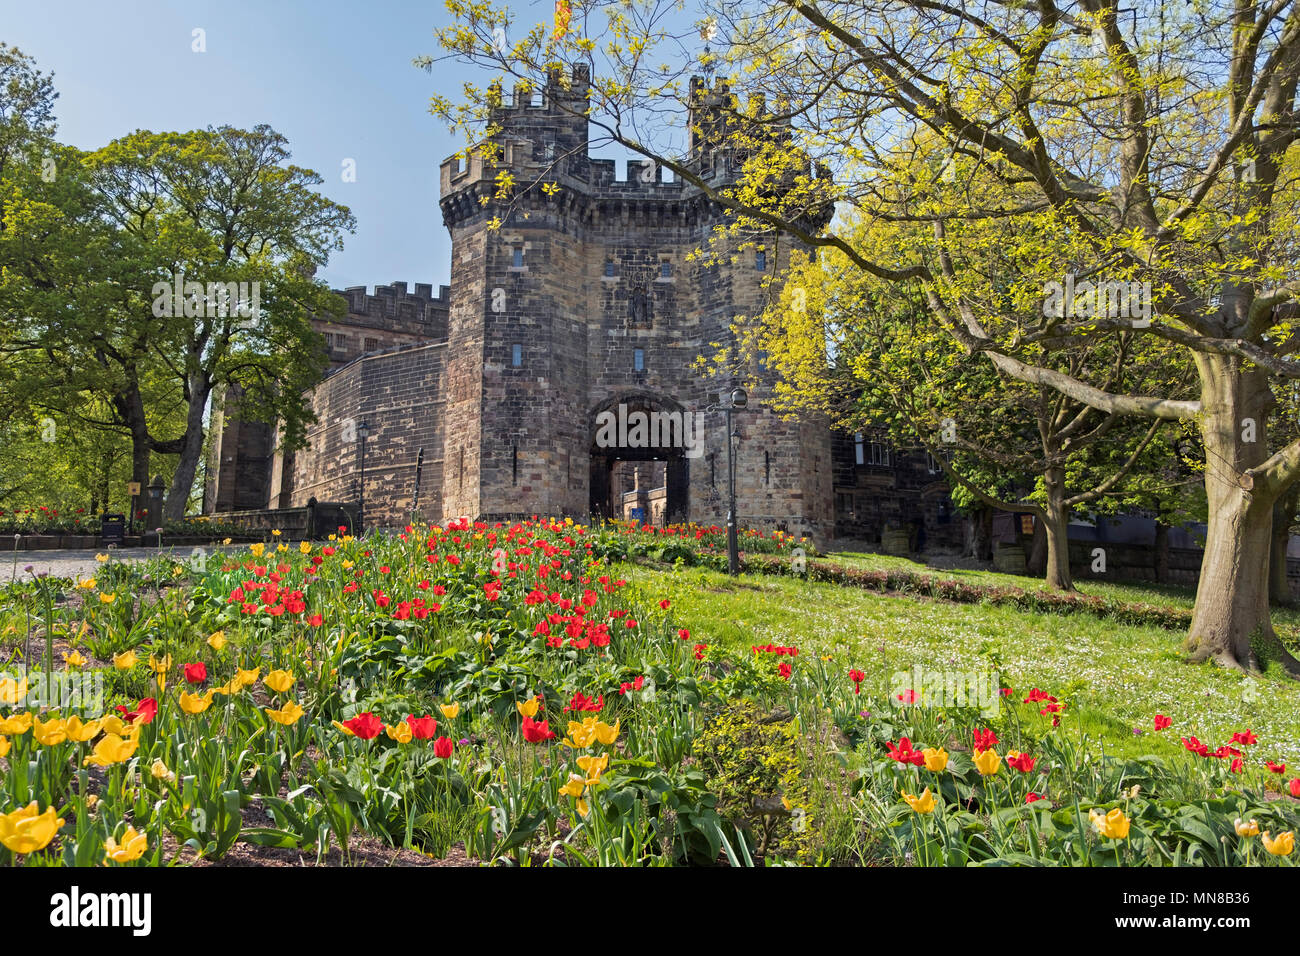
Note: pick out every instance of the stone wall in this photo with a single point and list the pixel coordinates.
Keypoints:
(397, 393)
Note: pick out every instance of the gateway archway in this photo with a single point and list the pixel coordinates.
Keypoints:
(641, 449)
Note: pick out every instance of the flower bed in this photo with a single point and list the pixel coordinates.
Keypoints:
(502, 689)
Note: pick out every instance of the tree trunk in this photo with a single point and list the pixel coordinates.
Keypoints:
(1231, 623)
(984, 533)
(1161, 557)
(1056, 524)
(1037, 563)
(1279, 588)
(178, 496)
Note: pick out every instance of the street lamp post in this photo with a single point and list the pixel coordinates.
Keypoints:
(739, 399)
(363, 430)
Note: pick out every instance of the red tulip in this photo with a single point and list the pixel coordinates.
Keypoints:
(1244, 737)
(366, 726)
(146, 710)
(1162, 722)
(1294, 786)
(315, 620)
(442, 747)
(1275, 767)
(1022, 762)
(196, 673)
(684, 634)
(580, 701)
(857, 677)
(1195, 746)
(903, 753)
(422, 728)
(536, 731)
(985, 740)
(1032, 797)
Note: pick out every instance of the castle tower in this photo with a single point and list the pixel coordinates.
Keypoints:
(582, 305)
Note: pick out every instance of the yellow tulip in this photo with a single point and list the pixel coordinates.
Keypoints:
(594, 766)
(527, 708)
(276, 532)
(575, 786)
(339, 725)
(607, 734)
(1113, 824)
(290, 713)
(922, 804)
(217, 641)
(160, 666)
(304, 547)
(125, 661)
(257, 549)
(49, 734)
(74, 659)
(450, 710)
(101, 558)
(582, 807)
(278, 681)
(113, 724)
(1246, 829)
(16, 724)
(987, 762)
(12, 692)
(79, 731)
(281, 549)
(247, 677)
(196, 703)
(401, 732)
(107, 598)
(160, 772)
(113, 749)
(28, 830)
(86, 585)
(4, 746)
(936, 759)
(1281, 845)
(131, 848)
(581, 734)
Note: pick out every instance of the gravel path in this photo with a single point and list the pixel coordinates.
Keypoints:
(71, 564)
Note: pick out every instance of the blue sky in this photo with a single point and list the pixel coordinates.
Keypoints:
(334, 77)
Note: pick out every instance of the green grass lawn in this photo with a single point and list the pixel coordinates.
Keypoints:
(1137, 592)
(1115, 677)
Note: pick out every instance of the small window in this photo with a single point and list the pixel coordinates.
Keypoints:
(931, 465)
(517, 356)
(879, 454)
(859, 457)
(760, 260)
(519, 258)
(371, 344)
(665, 270)
(638, 360)
(609, 267)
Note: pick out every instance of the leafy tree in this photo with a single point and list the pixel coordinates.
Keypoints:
(163, 267)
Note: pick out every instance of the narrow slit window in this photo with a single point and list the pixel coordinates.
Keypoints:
(517, 355)
(519, 258)
(638, 360)
(760, 260)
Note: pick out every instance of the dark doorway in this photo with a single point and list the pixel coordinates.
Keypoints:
(631, 480)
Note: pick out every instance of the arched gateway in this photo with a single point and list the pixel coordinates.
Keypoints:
(647, 442)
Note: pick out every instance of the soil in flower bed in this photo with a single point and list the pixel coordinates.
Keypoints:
(363, 849)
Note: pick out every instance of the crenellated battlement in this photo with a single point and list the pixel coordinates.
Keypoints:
(544, 134)
(393, 301)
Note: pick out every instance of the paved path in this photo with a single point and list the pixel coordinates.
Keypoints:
(73, 564)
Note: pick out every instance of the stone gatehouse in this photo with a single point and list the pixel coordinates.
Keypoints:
(583, 304)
